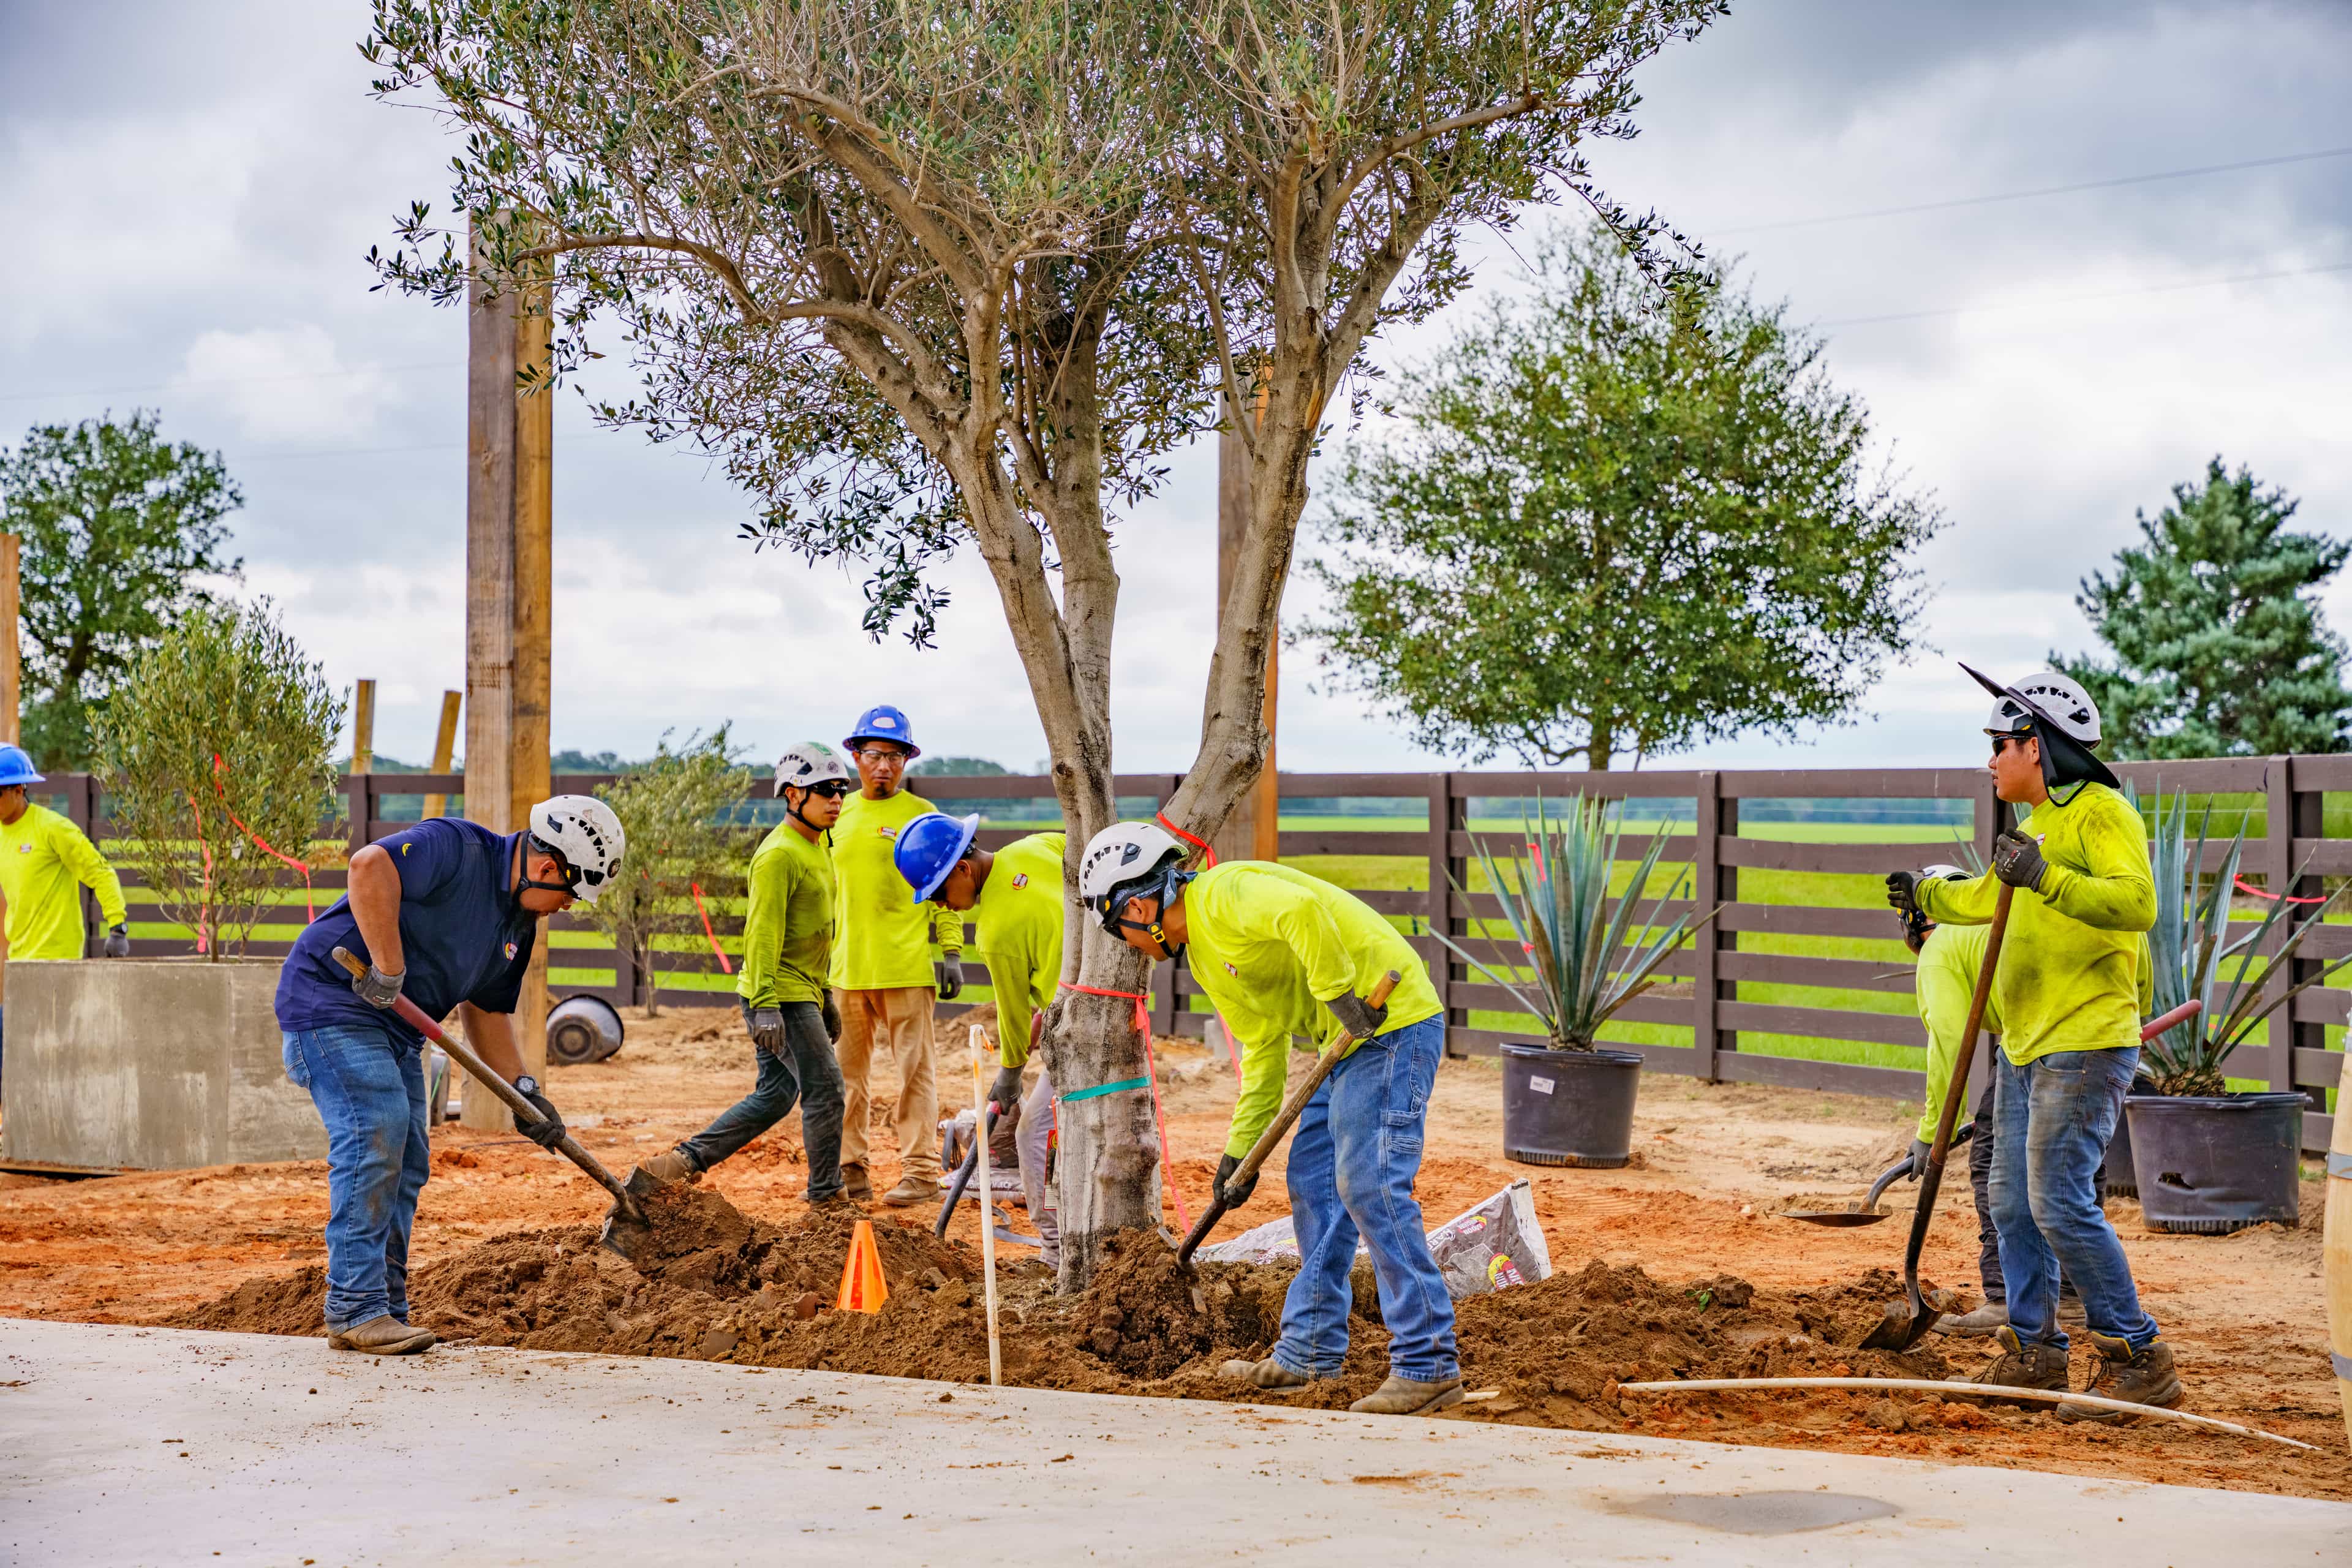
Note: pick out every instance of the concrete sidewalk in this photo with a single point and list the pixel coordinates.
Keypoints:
(151, 1446)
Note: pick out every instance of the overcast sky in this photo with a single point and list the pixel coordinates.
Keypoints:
(188, 193)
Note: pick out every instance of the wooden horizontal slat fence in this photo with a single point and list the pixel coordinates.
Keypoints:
(1419, 829)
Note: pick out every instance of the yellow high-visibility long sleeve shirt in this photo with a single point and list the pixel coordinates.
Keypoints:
(2069, 978)
(1021, 912)
(788, 932)
(882, 938)
(1270, 945)
(44, 860)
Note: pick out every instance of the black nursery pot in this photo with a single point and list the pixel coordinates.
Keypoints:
(2117, 1177)
(1569, 1108)
(2207, 1165)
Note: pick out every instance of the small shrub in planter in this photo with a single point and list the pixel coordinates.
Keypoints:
(677, 811)
(1567, 1101)
(2209, 1161)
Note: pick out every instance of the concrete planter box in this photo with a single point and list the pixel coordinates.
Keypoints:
(155, 1064)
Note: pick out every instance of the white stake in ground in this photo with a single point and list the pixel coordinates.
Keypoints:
(987, 1206)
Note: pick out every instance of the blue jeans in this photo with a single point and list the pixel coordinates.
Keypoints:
(2052, 1120)
(369, 1087)
(1352, 1162)
(811, 1077)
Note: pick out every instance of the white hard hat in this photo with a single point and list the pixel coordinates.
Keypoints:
(811, 762)
(1120, 853)
(584, 832)
(2060, 696)
(1943, 873)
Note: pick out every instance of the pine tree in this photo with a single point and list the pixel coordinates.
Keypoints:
(2219, 648)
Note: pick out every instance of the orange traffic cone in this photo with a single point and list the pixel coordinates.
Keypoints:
(863, 1289)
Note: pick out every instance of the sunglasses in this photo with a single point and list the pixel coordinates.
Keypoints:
(2000, 741)
(831, 789)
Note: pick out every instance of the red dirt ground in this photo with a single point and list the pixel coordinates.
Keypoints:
(2245, 1313)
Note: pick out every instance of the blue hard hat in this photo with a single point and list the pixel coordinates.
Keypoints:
(884, 723)
(929, 849)
(17, 767)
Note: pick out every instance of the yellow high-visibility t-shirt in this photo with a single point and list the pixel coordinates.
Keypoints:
(882, 938)
(1020, 913)
(45, 860)
(788, 931)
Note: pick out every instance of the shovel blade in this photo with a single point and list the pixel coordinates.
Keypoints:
(1909, 1320)
(1837, 1219)
(627, 1232)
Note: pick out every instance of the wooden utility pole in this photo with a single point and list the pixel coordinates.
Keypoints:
(1253, 831)
(445, 751)
(12, 656)
(363, 728)
(509, 516)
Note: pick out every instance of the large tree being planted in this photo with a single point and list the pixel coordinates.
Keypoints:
(929, 274)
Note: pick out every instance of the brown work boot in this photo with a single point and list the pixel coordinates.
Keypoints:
(1410, 1396)
(2019, 1365)
(855, 1184)
(1976, 1325)
(1266, 1373)
(380, 1335)
(671, 1165)
(2141, 1378)
(910, 1190)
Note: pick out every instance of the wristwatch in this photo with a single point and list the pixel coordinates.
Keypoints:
(526, 1086)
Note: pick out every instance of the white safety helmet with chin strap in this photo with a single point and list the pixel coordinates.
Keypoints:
(585, 834)
(807, 765)
(2060, 696)
(1127, 860)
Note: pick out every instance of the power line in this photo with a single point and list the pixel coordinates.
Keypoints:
(2109, 184)
(2087, 299)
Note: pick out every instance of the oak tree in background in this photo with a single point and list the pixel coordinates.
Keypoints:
(1614, 526)
(923, 274)
(2216, 645)
(680, 811)
(120, 528)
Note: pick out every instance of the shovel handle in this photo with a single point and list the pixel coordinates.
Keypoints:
(525, 1112)
(1291, 1109)
(1931, 1180)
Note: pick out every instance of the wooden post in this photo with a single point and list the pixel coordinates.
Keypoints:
(12, 657)
(1443, 810)
(508, 542)
(363, 726)
(445, 750)
(1706, 892)
(1253, 830)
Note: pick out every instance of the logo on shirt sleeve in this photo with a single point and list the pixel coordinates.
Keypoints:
(1232, 971)
(1021, 879)
(510, 952)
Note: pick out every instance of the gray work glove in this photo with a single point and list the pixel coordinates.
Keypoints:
(2017, 860)
(376, 988)
(1357, 1016)
(829, 1011)
(1919, 1149)
(1005, 1092)
(1903, 895)
(117, 942)
(548, 1131)
(1229, 1192)
(767, 1030)
(949, 972)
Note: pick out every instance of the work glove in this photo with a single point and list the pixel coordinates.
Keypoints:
(1229, 1192)
(949, 971)
(1903, 896)
(1357, 1016)
(2017, 860)
(548, 1131)
(830, 1011)
(117, 942)
(376, 988)
(1919, 1148)
(767, 1030)
(1005, 1092)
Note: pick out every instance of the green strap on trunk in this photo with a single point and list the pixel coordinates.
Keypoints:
(1104, 1088)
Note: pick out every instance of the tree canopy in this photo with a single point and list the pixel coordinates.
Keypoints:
(120, 528)
(1609, 527)
(2217, 648)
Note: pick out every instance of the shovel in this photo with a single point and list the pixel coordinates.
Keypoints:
(628, 1231)
(1273, 1135)
(1907, 1322)
(1867, 1211)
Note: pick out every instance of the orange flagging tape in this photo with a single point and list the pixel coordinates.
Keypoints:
(1151, 1076)
(724, 967)
(310, 902)
(863, 1289)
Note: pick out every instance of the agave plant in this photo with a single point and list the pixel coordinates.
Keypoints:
(1555, 896)
(2196, 958)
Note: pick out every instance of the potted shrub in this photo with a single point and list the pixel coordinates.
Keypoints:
(2209, 1161)
(1567, 1101)
(217, 753)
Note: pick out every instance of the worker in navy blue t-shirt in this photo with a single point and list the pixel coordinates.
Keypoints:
(445, 914)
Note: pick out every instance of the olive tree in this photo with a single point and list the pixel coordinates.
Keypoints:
(679, 812)
(218, 751)
(927, 275)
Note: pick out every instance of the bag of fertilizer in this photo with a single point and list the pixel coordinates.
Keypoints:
(1495, 1244)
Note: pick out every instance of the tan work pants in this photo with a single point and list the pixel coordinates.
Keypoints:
(901, 1019)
